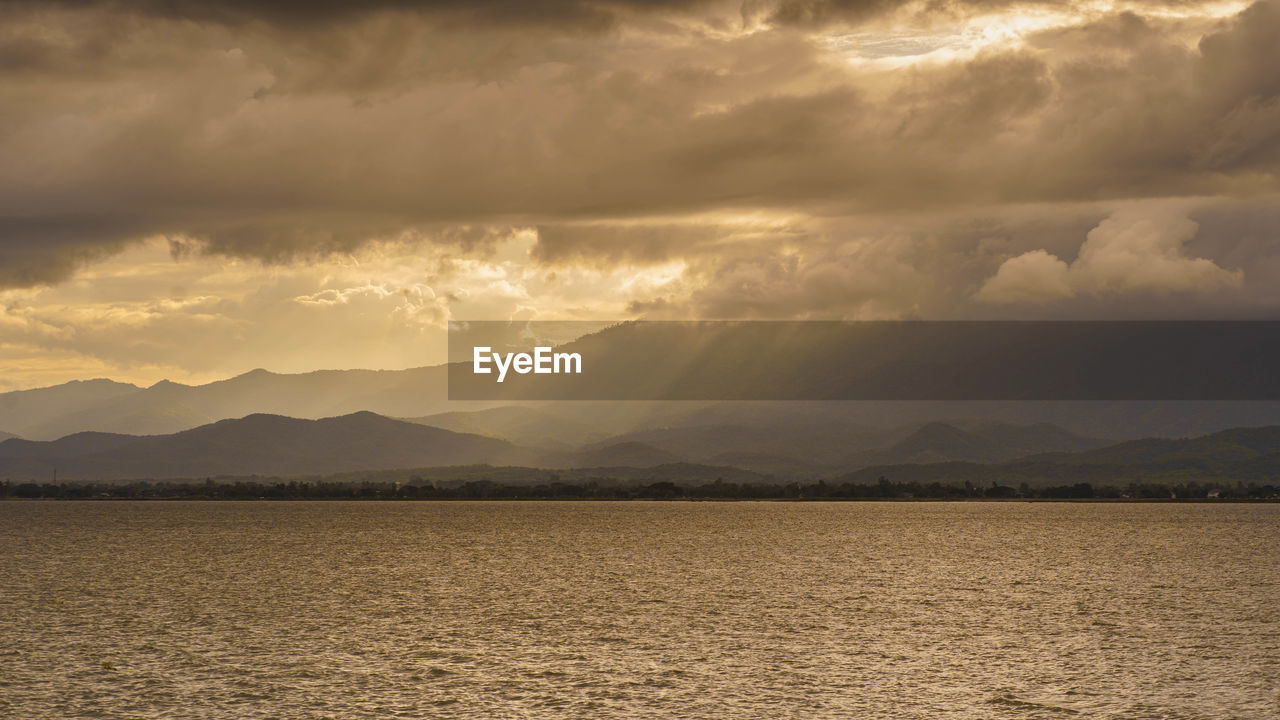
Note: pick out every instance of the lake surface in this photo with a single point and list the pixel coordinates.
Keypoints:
(638, 610)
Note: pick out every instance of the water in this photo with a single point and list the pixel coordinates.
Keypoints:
(638, 610)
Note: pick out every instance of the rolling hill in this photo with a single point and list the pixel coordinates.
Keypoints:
(1227, 446)
(519, 424)
(1239, 455)
(814, 446)
(623, 454)
(167, 407)
(256, 444)
(819, 441)
(21, 411)
(983, 442)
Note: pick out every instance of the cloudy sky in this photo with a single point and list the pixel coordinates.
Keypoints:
(192, 189)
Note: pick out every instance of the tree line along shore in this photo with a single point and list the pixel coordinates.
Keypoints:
(553, 489)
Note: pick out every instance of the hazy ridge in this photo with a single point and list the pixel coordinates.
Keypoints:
(338, 421)
(980, 452)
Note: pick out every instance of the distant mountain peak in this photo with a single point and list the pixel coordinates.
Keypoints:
(254, 417)
(260, 443)
(364, 415)
(256, 374)
(99, 382)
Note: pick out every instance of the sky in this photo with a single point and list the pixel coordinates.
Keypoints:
(191, 190)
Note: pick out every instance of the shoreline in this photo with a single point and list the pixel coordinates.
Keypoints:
(1099, 501)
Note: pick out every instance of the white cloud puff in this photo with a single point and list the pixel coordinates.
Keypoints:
(1035, 276)
(1138, 249)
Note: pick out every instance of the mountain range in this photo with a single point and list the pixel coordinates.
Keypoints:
(273, 445)
(421, 394)
(336, 421)
(256, 444)
(166, 407)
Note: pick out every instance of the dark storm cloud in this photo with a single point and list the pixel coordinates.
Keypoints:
(566, 13)
(276, 145)
(614, 244)
(821, 12)
(41, 250)
(980, 99)
(818, 13)
(289, 240)
(571, 13)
